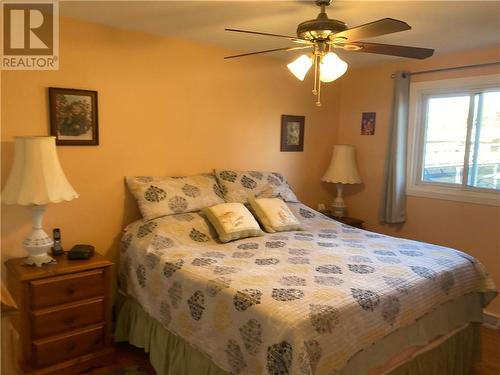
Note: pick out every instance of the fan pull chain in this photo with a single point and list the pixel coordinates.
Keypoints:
(318, 100)
(315, 87)
(317, 79)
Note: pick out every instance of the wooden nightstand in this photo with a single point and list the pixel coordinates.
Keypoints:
(353, 222)
(64, 318)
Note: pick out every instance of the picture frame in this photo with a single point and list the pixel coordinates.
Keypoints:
(73, 116)
(292, 133)
(368, 120)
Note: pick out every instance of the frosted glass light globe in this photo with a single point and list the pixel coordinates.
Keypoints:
(300, 66)
(331, 67)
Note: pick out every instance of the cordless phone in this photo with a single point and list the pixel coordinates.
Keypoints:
(57, 248)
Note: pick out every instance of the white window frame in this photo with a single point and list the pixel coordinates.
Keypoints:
(419, 91)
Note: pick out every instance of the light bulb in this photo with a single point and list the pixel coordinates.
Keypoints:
(331, 67)
(300, 66)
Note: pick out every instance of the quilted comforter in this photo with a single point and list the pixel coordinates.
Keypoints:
(299, 302)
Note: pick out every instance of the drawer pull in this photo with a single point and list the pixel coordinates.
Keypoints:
(71, 347)
(70, 291)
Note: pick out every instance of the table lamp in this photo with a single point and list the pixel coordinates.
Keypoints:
(342, 170)
(36, 179)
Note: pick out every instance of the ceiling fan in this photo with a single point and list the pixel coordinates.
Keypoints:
(324, 34)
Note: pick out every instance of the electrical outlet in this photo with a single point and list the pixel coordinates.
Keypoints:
(321, 207)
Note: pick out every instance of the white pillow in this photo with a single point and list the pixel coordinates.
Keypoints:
(274, 215)
(232, 221)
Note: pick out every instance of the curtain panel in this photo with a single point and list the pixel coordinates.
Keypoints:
(393, 200)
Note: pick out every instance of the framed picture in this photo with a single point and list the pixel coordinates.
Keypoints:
(292, 133)
(368, 123)
(73, 116)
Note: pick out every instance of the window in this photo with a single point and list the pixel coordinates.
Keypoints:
(454, 139)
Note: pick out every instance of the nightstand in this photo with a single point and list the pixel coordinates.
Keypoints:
(353, 222)
(64, 319)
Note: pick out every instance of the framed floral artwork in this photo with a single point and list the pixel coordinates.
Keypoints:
(292, 133)
(73, 116)
(368, 123)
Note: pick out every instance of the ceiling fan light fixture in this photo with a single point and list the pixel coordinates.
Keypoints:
(324, 34)
(331, 67)
(300, 66)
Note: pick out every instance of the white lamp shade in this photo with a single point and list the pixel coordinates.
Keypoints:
(36, 176)
(331, 67)
(300, 66)
(343, 168)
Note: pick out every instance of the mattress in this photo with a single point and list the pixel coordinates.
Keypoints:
(304, 302)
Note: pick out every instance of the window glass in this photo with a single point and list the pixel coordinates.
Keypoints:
(484, 154)
(445, 139)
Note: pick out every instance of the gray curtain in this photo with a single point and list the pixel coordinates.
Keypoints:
(393, 200)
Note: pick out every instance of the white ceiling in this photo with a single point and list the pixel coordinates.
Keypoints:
(446, 26)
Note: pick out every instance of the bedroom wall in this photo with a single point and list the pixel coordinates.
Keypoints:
(166, 107)
(469, 227)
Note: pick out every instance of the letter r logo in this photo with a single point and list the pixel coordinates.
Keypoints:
(28, 29)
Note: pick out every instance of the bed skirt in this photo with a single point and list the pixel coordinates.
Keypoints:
(171, 355)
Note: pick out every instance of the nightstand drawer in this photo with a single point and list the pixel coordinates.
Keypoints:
(57, 349)
(67, 288)
(65, 318)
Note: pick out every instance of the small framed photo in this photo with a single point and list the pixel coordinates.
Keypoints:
(73, 116)
(292, 133)
(368, 123)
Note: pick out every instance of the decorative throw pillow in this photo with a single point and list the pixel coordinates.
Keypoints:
(232, 221)
(237, 186)
(274, 215)
(160, 196)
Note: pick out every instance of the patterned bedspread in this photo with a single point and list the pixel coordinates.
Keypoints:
(299, 302)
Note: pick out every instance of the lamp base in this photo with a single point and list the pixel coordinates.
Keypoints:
(338, 205)
(39, 260)
(338, 209)
(38, 243)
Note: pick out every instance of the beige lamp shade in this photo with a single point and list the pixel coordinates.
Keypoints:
(343, 168)
(36, 177)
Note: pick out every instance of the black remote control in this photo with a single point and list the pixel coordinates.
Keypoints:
(57, 248)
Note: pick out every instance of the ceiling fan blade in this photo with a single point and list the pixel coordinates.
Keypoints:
(372, 29)
(388, 49)
(291, 38)
(266, 51)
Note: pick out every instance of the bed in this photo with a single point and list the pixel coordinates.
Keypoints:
(330, 299)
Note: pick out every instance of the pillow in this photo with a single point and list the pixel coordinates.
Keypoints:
(237, 186)
(160, 196)
(274, 215)
(232, 221)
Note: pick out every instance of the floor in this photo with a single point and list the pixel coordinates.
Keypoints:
(490, 364)
(127, 355)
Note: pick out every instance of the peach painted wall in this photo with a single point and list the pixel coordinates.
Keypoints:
(166, 107)
(472, 228)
